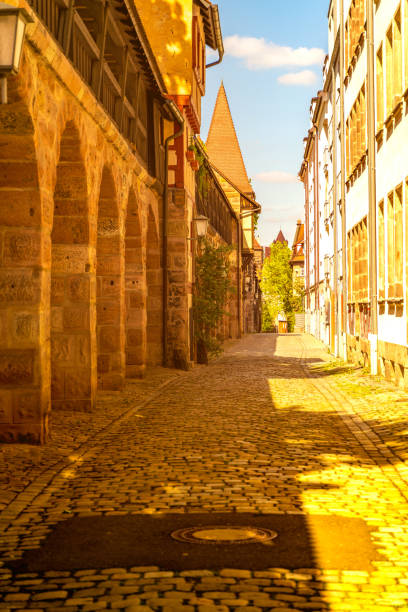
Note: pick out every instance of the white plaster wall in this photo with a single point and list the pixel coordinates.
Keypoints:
(382, 19)
(391, 171)
(357, 201)
(356, 82)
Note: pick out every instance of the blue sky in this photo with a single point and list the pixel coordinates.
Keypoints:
(267, 40)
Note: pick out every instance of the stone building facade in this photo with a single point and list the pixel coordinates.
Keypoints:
(226, 158)
(82, 182)
(297, 259)
(355, 179)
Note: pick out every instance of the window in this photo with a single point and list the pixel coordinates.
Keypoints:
(397, 57)
(395, 244)
(354, 28)
(357, 257)
(391, 243)
(389, 54)
(356, 144)
(380, 88)
(406, 42)
(381, 251)
(198, 53)
(398, 240)
(393, 45)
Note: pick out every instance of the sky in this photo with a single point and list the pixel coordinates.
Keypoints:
(271, 69)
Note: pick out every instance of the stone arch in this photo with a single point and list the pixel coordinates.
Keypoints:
(73, 375)
(109, 292)
(154, 280)
(135, 291)
(24, 350)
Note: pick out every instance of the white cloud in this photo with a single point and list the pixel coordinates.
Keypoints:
(276, 176)
(304, 77)
(259, 54)
(210, 54)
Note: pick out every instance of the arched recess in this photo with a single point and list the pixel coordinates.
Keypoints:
(110, 294)
(135, 292)
(73, 364)
(24, 350)
(154, 279)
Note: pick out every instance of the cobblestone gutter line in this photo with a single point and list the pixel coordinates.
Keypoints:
(396, 471)
(51, 478)
(143, 589)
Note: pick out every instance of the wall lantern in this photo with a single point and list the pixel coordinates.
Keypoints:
(13, 23)
(201, 223)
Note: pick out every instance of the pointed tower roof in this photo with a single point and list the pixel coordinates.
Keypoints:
(223, 146)
(280, 238)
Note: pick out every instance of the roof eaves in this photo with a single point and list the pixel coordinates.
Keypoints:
(145, 47)
(253, 202)
(212, 27)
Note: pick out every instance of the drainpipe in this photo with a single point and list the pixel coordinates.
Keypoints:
(239, 288)
(372, 208)
(343, 184)
(316, 229)
(335, 237)
(180, 120)
(307, 248)
(218, 36)
(243, 215)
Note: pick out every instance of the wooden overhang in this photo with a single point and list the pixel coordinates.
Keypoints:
(133, 27)
(212, 27)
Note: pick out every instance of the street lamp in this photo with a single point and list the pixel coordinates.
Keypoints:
(13, 23)
(201, 225)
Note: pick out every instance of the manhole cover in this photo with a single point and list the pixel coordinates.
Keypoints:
(230, 534)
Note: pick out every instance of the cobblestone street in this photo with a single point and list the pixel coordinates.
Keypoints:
(275, 427)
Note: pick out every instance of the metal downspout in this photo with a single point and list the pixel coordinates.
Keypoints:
(307, 245)
(343, 184)
(180, 120)
(335, 230)
(218, 37)
(317, 229)
(372, 208)
(239, 288)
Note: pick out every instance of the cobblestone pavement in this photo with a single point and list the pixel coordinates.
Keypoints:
(274, 426)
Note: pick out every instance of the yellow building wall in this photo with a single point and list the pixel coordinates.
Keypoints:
(168, 25)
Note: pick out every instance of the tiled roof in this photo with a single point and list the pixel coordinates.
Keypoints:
(223, 146)
(298, 255)
(256, 244)
(299, 233)
(280, 238)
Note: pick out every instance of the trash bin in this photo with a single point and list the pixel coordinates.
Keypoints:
(283, 327)
(282, 324)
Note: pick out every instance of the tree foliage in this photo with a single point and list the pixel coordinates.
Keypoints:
(278, 291)
(212, 286)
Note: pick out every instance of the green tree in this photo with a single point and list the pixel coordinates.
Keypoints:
(212, 286)
(277, 288)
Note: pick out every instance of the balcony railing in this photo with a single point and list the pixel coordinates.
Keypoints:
(211, 202)
(94, 37)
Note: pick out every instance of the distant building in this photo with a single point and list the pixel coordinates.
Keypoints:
(280, 238)
(355, 180)
(226, 158)
(297, 260)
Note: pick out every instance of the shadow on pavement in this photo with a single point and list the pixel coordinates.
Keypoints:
(231, 432)
(140, 540)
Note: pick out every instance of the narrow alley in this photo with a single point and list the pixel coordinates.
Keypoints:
(273, 479)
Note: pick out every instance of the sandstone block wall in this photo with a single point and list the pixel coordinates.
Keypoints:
(80, 265)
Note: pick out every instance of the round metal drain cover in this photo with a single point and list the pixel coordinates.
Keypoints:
(225, 534)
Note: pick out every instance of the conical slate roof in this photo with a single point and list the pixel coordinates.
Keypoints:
(280, 238)
(223, 146)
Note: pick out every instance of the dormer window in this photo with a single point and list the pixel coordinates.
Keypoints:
(199, 54)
